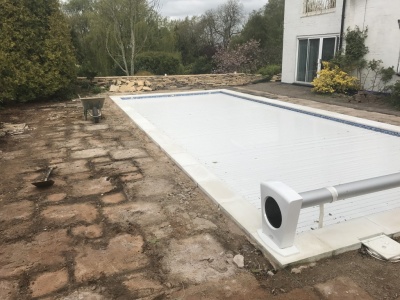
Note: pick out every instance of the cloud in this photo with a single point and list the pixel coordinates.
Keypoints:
(179, 9)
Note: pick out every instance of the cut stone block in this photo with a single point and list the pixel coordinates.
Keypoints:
(114, 88)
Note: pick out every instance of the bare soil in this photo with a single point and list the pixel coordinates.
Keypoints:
(123, 222)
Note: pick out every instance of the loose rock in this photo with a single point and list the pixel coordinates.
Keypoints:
(270, 273)
(239, 261)
(298, 270)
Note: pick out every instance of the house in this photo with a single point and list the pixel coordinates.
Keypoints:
(313, 31)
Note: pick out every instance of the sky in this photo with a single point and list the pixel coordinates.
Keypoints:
(179, 9)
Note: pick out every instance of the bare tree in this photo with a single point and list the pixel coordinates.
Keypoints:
(224, 22)
(208, 24)
(128, 26)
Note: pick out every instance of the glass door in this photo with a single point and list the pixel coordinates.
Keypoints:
(328, 49)
(311, 53)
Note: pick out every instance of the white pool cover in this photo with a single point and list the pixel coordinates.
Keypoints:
(244, 140)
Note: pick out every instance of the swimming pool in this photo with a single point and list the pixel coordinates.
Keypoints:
(240, 140)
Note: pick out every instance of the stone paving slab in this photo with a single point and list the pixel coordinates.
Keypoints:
(83, 294)
(49, 282)
(188, 257)
(90, 232)
(113, 198)
(241, 287)
(72, 167)
(8, 289)
(117, 167)
(92, 187)
(97, 127)
(341, 288)
(20, 210)
(142, 287)
(46, 249)
(56, 197)
(299, 294)
(123, 253)
(69, 214)
(126, 154)
(142, 213)
(89, 153)
(151, 187)
(17, 230)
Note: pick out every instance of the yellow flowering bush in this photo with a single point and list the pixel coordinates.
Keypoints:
(332, 79)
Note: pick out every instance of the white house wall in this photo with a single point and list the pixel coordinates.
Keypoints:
(381, 17)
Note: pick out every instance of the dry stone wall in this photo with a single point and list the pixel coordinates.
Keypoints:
(174, 82)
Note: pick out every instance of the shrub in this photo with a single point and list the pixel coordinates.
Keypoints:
(36, 54)
(158, 63)
(202, 65)
(395, 94)
(377, 75)
(96, 90)
(353, 57)
(332, 79)
(269, 71)
(187, 69)
(87, 71)
(181, 70)
(143, 73)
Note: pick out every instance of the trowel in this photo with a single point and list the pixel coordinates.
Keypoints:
(45, 182)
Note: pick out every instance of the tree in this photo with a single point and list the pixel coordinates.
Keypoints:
(161, 37)
(109, 35)
(242, 58)
(209, 27)
(79, 13)
(127, 23)
(192, 40)
(266, 26)
(36, 54)
(186, 40)
(194, 45)
(224, 22)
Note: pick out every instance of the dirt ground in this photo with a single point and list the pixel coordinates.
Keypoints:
(123, 222)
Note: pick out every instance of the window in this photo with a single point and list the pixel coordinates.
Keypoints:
(318, 5)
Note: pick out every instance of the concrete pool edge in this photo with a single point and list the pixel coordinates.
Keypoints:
(312, 245)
